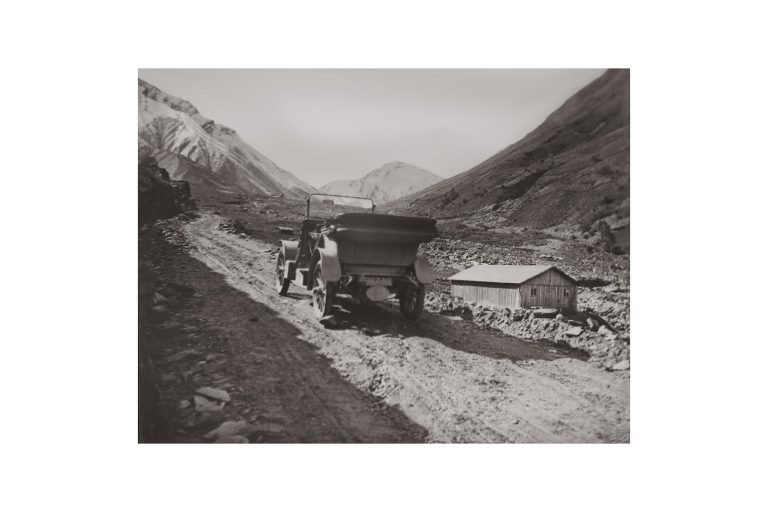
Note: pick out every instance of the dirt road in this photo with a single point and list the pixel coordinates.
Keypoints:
(458, 382)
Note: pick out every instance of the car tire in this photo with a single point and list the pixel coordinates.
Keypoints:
(281, 274)
(411, 298)
(323, 293)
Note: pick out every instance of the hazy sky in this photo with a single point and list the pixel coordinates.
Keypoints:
(325, 125)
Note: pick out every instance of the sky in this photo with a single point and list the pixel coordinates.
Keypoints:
(331, 124)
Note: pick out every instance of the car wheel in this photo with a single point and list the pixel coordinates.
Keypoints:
(411, 298)
(322, 293)
(281, 274)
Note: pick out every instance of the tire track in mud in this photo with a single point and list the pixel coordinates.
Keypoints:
(461, 383)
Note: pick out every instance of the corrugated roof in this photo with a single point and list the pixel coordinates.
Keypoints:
(509, 274)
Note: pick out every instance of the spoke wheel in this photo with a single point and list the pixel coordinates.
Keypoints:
(411, 298)
(322, 293)
(281, 281)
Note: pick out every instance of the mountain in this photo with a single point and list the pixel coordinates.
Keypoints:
(387, 183)
(196, 149)
(572, 170)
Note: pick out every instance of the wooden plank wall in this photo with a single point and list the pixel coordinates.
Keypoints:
(487, 294)
(551, 278)
(550, 291)
(548, 296)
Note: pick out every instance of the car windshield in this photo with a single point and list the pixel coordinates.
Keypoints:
(328, 206)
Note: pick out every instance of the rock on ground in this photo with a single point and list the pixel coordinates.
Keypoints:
(229, 428)
(213, 393)
(621, 365)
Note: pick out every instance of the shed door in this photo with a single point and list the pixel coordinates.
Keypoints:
(533, 295)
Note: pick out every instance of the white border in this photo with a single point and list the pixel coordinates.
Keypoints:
(698, 117)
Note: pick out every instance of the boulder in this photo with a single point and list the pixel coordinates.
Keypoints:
(203, 404)
(214, 394)
(621, 365)
(229, 428)
(191, 353)
(330, 322)
(544, 313)
(519, 314)
(159, 196)
(592, 324)
(160, 299)
(574, 331)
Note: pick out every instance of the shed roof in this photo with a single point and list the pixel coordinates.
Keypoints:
(508, 274)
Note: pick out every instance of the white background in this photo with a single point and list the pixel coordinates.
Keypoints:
(69, 255)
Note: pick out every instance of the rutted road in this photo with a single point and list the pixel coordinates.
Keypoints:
(461, 383)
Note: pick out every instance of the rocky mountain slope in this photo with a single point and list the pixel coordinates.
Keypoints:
(159, 196)
(391, 181)
(572, 171)
(196, 149)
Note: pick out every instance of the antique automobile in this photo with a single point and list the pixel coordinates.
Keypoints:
(347, 249)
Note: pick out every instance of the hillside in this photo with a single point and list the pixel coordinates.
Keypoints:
(387, 183)
(571, 171)
(196, 149)
(159, 196)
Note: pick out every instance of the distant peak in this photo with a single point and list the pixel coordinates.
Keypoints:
(390, 181)
(397, 164)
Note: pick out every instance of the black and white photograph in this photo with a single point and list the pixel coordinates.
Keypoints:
(378, 256)
(384, 255)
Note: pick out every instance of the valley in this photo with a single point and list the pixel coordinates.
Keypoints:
(224, 358)
(373, 377)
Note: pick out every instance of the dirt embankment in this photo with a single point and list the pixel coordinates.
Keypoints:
(201, 332)
(583, 331)
(159, 196)
(445, 378)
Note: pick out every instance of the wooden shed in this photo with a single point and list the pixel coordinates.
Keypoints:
(516, 286)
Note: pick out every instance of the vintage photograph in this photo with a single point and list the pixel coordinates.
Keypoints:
(384, 255)
(385, 248)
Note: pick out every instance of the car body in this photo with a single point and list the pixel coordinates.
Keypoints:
(369, 256)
